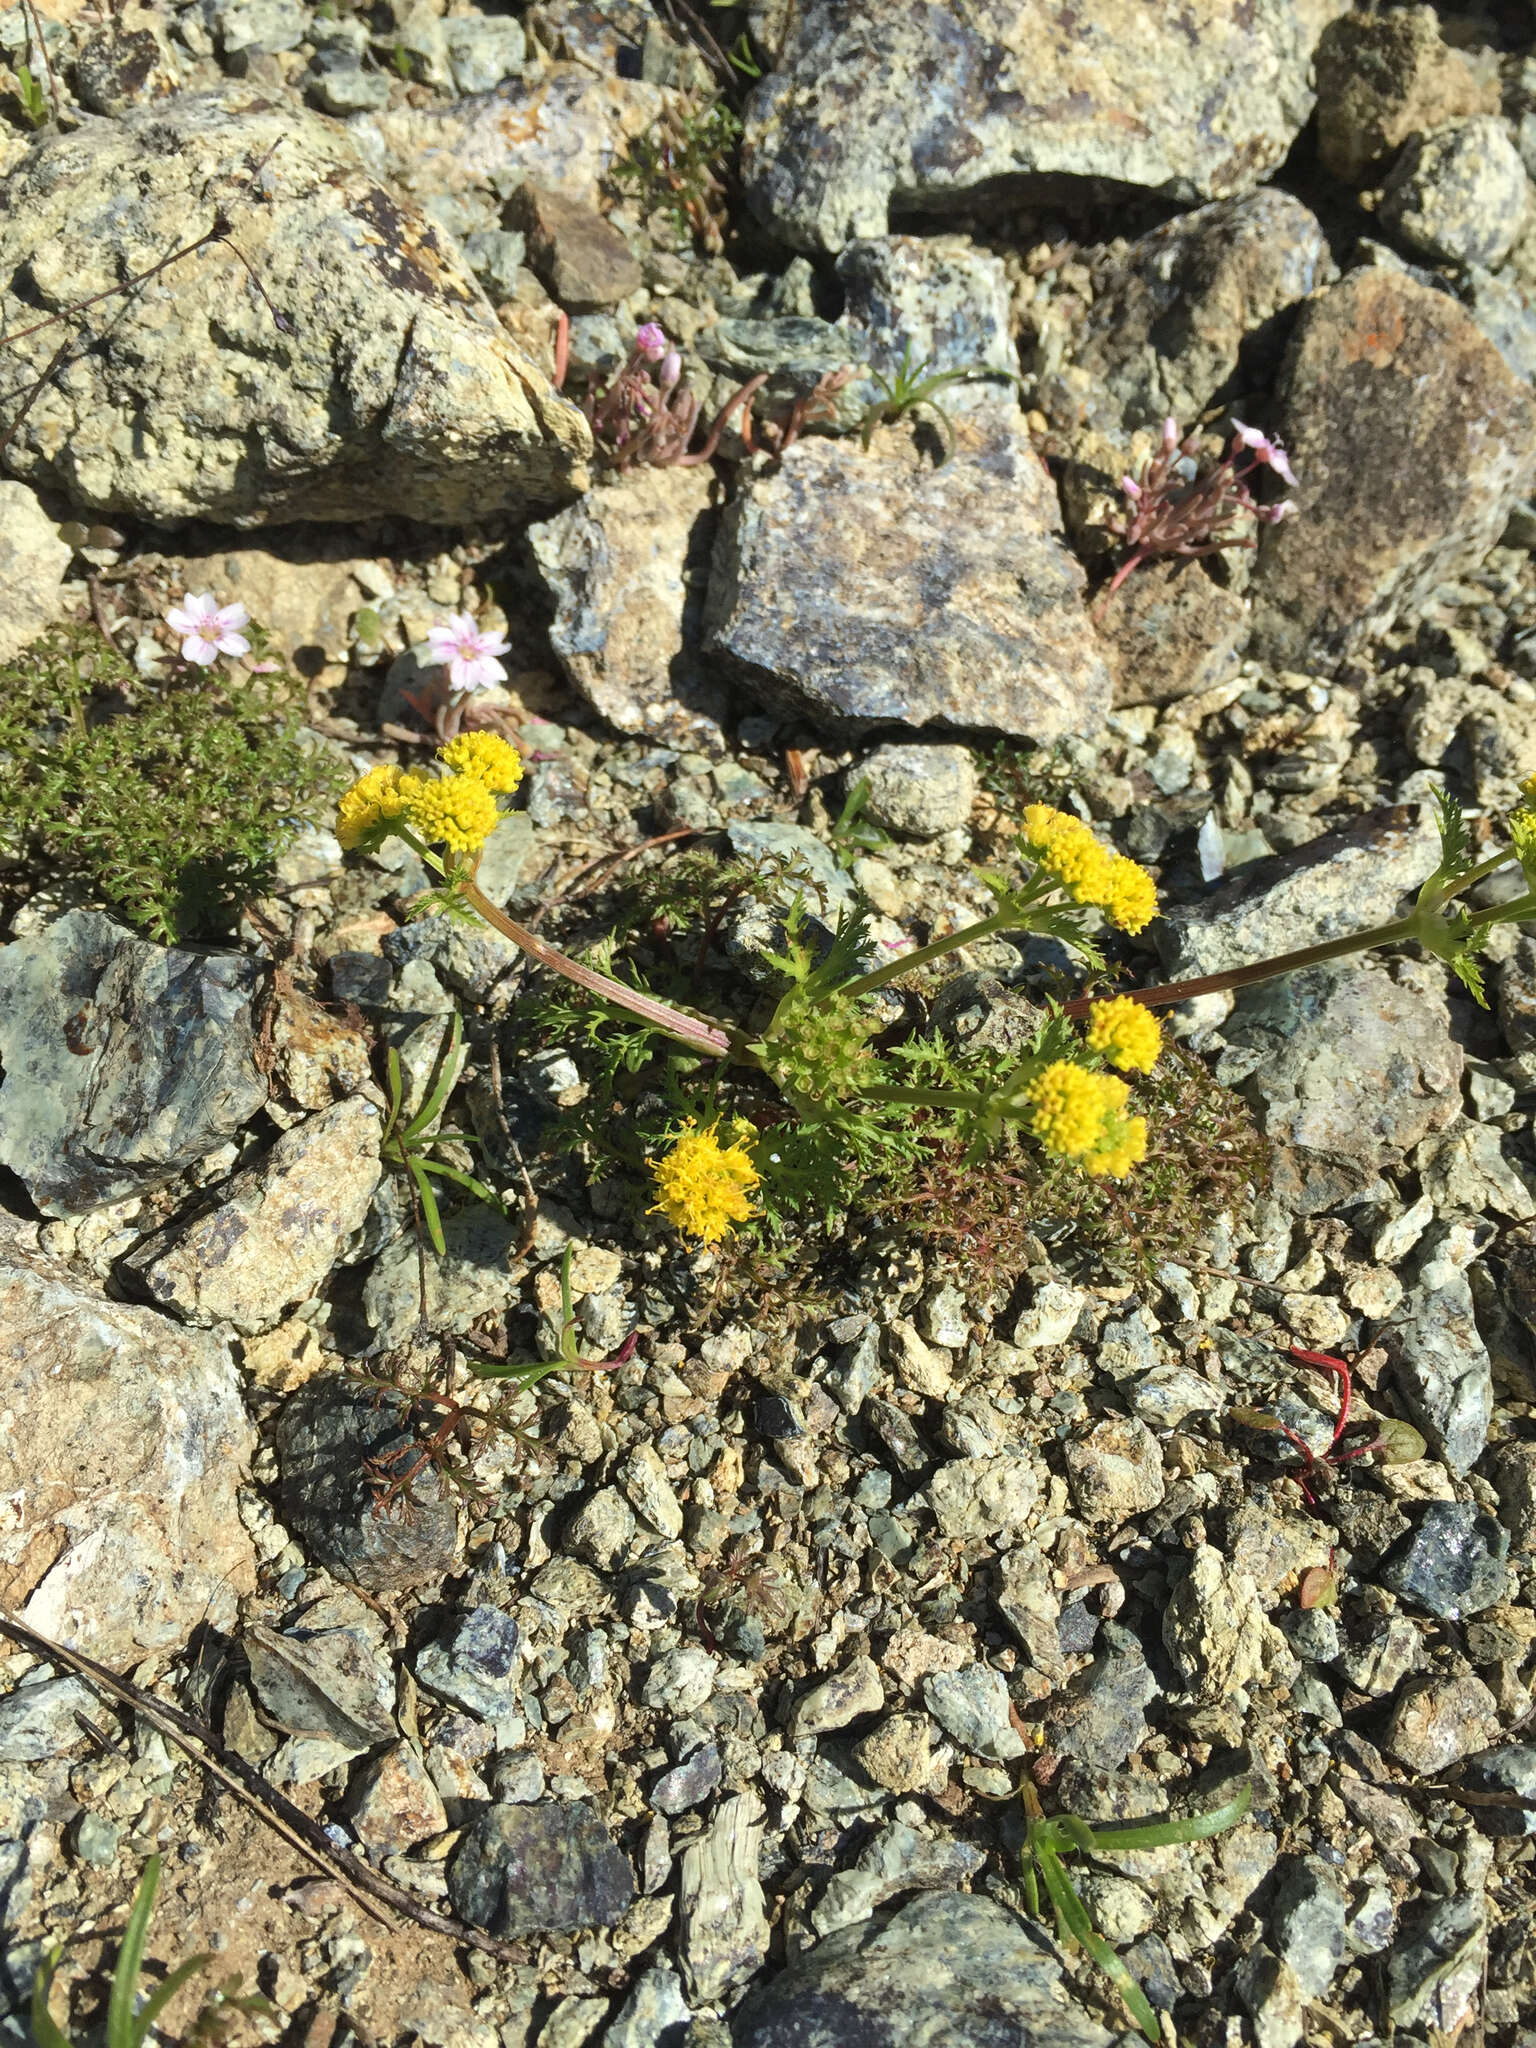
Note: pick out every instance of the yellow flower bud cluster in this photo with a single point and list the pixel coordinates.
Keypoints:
(457, 810)
(1088, 871)
(1081, 1115)
(1126, 1033)
(702, 1185)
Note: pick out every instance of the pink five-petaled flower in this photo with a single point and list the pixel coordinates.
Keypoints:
(1267, 449)
(207, 630)
(468, 654)
(651, 342)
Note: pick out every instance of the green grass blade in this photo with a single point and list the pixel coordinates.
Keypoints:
(46, 2031)
(1162, 1834)
(130, 1960)
(1072, 1915)
(164, 1993)
(444, 1074)
(434, 1222)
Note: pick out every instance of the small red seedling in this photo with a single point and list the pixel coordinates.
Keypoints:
(1396, 1442)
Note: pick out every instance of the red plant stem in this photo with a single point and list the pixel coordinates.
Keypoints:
(1169, 992)
(693, 1031)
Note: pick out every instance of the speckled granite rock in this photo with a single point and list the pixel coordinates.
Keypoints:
(33, 560)
(388, 386)
(1382, 77)
(878, 589)
(1459, 195)
(121, 1447)
(1412, 439)
(919, 104)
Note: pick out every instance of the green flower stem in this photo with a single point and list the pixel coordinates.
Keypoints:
(926, 1098)
(1167, 993)
(1457, 883)
(1002, 920)
(691, 1031)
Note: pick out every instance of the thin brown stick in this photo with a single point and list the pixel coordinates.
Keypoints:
(280, 1814)
(612, 859)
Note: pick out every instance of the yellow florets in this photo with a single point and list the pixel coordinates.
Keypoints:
(1088, 871)
(487, 758)
(458, 812)
(1126, 1033)
(369, 808)
(1081, 1115)
(702, 1185)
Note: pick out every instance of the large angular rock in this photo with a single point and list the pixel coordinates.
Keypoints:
(125, 1062)
(879, 589)
(1382, 77)
(1459, 195)
(949, 1967)
(275, 1231)
(625, 566)
(543, 1869)
(918, 104)
(122, 1442)
(368, 375)
(1412, 439)
(1194, 314)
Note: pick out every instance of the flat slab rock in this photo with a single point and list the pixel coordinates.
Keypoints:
(1412, 439)
(122, 1442)
(389, 386)
(125, 1062)
(875, 106)
(861, 589)
(950, 1967)
(549, 1868)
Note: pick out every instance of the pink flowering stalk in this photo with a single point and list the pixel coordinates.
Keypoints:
(469, 655)
(1175, 509)
(207, 630)
(646, 413)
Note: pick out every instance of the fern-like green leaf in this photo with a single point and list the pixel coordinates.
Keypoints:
(1456, 855)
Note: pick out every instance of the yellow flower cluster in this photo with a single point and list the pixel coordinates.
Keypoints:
(1088, 871)
(368, 810)
(457, 810)
(1080, 1115)
(702, 1185)
(1126, 1033)
(487, 758)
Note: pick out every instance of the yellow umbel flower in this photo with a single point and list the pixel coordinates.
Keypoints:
(702, 1185)
(1075, 1111)
(1089, 872)
(487, 758)
(458, 812)
(1126, 1033)
(369, 809)
(1122, 1149)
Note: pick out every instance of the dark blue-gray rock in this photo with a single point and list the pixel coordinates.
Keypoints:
(949, 1968)
(1097, 1716)
(126, 1440)
(1411, 438)
(1441, 1366)
(338, 1446)
(655, 2014)
(795, 354)
(689, 1783)
(545, 1869)
(938, 296)
(474, 1663)
(1459, 195)
(1514, 1477)
(1510, 1770)
(275, 1231)
(125, 1062)
(1194, 313)
(859, 589)
(1437, 1963)
(1306, 1923)
(918, 105)
(389, 385)
(1452, 1563)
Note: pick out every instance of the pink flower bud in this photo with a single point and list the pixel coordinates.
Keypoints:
(651, 342)
(1131, 488)
(1170, 436)
(671, 369)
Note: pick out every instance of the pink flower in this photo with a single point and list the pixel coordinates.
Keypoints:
(469, 654)
(1267, 449)
(651, 342)
(206, 631)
